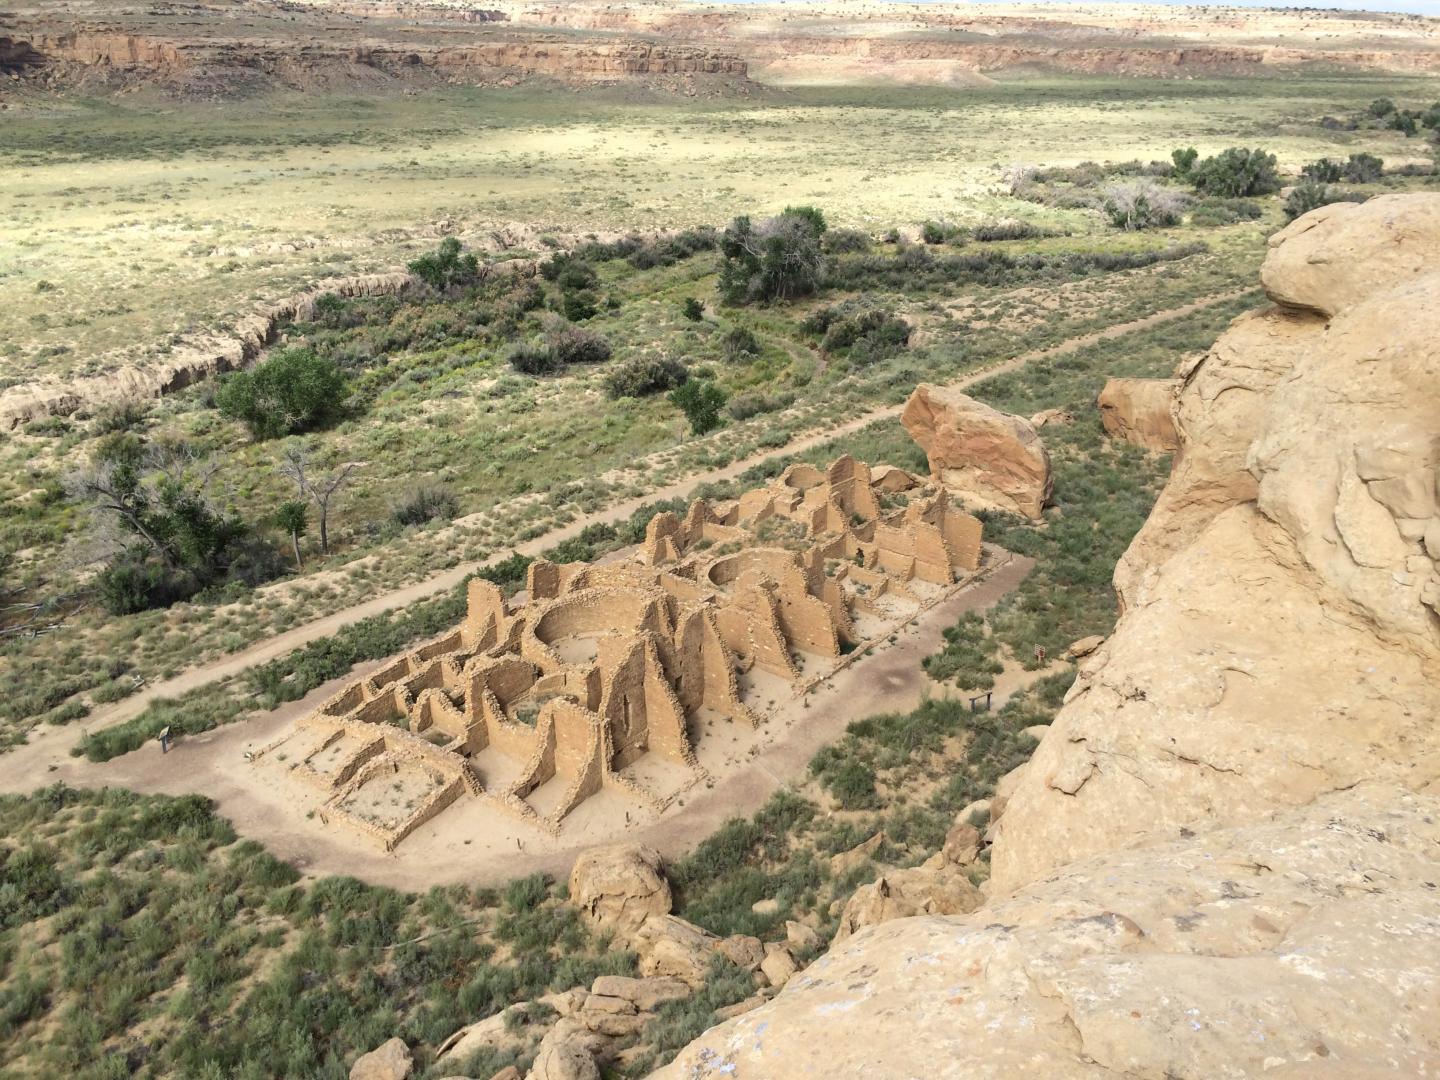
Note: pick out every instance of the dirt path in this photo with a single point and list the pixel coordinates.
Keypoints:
(48, 745)
(468, 843)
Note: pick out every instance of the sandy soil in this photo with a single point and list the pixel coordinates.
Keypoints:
(474, 842)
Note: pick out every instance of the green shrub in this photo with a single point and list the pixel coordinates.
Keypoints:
(739, 342)
(576, 345)
(293, 391)
(994, 231)
(939, 232)
(692, 309)
(968, 657)
(846, 241)
(1325, 171)
(446, 268)
(134, 582)
(1184, 160)
(645, 375)
(1363, 169)
(425, 504)
(1237, 172)
(530, 358)
(1309, 195)
(865, 337)
(1142, 204)
(753, 403)
(701, 401)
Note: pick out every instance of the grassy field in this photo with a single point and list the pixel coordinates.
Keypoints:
(154, 222)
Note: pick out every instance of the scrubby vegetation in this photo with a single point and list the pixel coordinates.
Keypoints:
(141, 938)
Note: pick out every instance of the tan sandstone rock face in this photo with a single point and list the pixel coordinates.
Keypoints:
(1221, 859)
(1300, 947)
(1334, 257)
(921, 890)
(1138, 411)
(388, 1061)
(1280, 638)
(985, 458)
(617, 888)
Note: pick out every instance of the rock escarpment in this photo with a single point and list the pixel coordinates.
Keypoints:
(1222, 858)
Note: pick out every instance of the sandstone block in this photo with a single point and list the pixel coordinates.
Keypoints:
(779, 965)
(389, 1061)
(985, 458)
(616, 888)
(671, 947)
(1138, 411)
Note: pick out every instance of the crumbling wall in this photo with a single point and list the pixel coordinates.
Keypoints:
(615, 659)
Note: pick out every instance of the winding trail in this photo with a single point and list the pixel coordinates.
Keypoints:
(33, 764)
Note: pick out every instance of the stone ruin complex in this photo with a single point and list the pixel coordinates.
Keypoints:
(608, 674)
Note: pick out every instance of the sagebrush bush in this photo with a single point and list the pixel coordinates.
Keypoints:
(645, 375)
(425, 504)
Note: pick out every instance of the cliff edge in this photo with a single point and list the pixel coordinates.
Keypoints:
(1222, 858)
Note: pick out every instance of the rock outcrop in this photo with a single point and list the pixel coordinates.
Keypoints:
(1298, 946)
(618, 888)
(1138, 411)
(985, 458)
(389, 1061)
(922, 890)
(1281, 637)
(1221, 860)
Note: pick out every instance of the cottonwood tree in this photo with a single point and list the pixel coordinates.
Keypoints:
(174, 537)
(316, 485)
(778, 259)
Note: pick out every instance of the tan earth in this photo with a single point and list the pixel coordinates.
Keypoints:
(985, 458)
(1221, 859)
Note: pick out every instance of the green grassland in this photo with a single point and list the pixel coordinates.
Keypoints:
(154, 221)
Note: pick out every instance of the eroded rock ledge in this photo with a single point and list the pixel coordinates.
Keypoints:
(1223, 858)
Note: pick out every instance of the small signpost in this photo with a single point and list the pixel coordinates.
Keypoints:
(164, 738)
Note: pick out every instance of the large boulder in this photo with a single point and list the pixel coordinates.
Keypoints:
(388, 1061)
(1334, 257)
(1300, 946)
(617, 888)
(1138, 411)
(670, 947)
(985, 458)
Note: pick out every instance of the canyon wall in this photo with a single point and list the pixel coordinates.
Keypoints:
(1221, 859)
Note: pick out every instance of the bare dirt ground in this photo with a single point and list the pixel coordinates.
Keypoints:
(474, 842)
(54, 742)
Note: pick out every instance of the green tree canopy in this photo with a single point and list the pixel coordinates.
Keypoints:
(778, 259)
(1237, 173)
(293, 391)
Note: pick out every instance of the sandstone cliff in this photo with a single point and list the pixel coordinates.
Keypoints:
(1221, 859)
